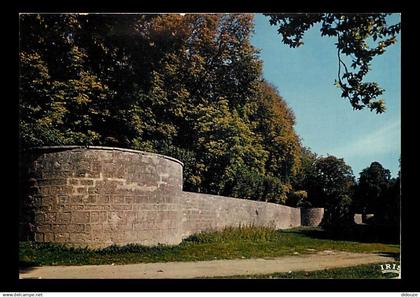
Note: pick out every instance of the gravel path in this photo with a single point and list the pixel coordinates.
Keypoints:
(306, 262)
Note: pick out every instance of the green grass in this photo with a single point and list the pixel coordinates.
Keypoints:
(231, 243)
(369, 271)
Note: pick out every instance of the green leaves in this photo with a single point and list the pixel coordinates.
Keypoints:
(330, 185)
(373, 183)
(360, 36)
(59, 93)
(189, 87)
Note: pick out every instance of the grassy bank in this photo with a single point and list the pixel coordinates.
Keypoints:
(370, 271)
(231, 243)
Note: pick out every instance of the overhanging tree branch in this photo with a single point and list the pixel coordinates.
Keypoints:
(355, 33)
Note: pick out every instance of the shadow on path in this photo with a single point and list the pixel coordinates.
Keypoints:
(26, 266)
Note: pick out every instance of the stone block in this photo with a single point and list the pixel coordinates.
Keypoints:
(81, 190)
(75, 228)
(98, 216)
(63, 199)
(86, 182)
(43, 228)
(62, 237)
(75, 207)
(76, 199)
(74, 181)
(100, 236)
(103, 199)
(63, 217)
(87, 229)
(118, 199)
(95, 228)
(80, 237)
(50, 217)
(48, 237)
(80, 217)
(97, 207)
(90, 198)
(122, 207)
(59, 228)
(39, 237)
(129, 199)
(143, 199)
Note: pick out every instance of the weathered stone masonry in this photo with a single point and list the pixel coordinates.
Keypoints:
(99, 196)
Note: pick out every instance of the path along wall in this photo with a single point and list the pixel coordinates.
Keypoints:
(99, 196)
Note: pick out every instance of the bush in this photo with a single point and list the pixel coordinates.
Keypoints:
(338, 215)
(297, 199)
(255, 186)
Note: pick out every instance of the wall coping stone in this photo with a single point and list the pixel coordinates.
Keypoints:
(107, 148)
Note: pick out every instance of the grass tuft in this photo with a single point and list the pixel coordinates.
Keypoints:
(241, 233)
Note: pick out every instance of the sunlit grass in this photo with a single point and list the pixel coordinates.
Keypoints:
(230, 243)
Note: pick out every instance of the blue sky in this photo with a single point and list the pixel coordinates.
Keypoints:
(326, 122)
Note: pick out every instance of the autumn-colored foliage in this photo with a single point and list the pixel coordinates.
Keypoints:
(187, 86)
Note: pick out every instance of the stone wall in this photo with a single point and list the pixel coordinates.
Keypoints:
(358, 218)
(99, 196)
(363, 219)
(311, 216)
(211, 212)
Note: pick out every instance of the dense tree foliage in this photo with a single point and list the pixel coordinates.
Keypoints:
(331, 185)
(303, 181)
(378, 193)
(374, 181)
(187, 86)
(360, 37)
(388, 212)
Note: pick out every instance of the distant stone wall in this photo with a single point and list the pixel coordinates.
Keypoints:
(311, 216)
(363, 219)
(210, 212)
(358, 219)
(99, 196)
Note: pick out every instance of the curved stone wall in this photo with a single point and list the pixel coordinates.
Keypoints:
(358, 219)
(99, 196)
(311, 216)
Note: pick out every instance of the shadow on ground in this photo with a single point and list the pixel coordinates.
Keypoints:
(396, 256)
(26, 266)
(360, 233)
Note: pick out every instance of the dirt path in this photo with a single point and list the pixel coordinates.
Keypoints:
(308, 262)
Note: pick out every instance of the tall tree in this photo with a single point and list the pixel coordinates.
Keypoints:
(61, 99)
(331, 186)
(303, 180)
(361, 37)
(187, 86)
(374, 181)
